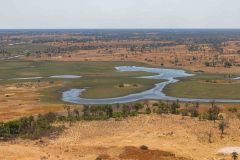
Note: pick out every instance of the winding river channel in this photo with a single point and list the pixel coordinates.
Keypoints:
(170, 75)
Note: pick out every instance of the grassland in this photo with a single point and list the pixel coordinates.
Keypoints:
(101, 78)
(205, 86)
(103, 81)
(27, 48)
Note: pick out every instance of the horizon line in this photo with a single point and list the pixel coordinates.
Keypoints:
(119, 28)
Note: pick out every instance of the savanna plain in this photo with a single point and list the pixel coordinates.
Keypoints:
(38, 66)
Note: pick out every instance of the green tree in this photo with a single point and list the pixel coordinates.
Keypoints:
(125, 110)
(174, 106)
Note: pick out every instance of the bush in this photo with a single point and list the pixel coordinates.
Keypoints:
(121, 85)
(143, 147)
(62, 118)
(148, 110)
(133, 113)
(138, 106)
(194, 113)
(203, 116)
(50, 117)
(162, 108)
(207, 64)
(233, 109)
(125, 110)
(117, 115)
(227, 64)
(184, 112)
(28, 127)
(98, 158)
(135, 85)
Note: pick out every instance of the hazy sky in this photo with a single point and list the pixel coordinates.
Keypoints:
(120, 14)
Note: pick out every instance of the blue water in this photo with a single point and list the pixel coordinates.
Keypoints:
(170, 75)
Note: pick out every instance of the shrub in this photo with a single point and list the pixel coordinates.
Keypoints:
(148, 110)
(138, 106)
(194, 113)
(50, 117)
(117, 115)
(28, 127)
(143, 147)
(233, 109)
(98, 158)
(207, 64)
(162, 108)
(227, 64)
(135, 85)
(184, 112)
(125, 110)
(62, 118)
(133, 113)
(203, 116)
(121, 85)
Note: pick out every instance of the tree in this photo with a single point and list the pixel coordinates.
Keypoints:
(222, 126)
(213, 112)
(162, 108)
(51, 117)
(86, 110)
(194, 110)
(125, 110)
(174, 106)
(76, 112)
(234, 155)
(69, 116)
(68, 109)
(227, 64)
(138, 106)
(109, 111)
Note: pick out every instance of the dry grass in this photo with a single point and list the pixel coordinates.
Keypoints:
(177, 56)
(87, 140)
(22, 101)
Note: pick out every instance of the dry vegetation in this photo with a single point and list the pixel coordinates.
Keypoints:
(23, 99)
(207, 52)
(185, 137)
(143, 137)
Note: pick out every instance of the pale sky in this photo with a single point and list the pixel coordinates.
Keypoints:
(25, 14)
